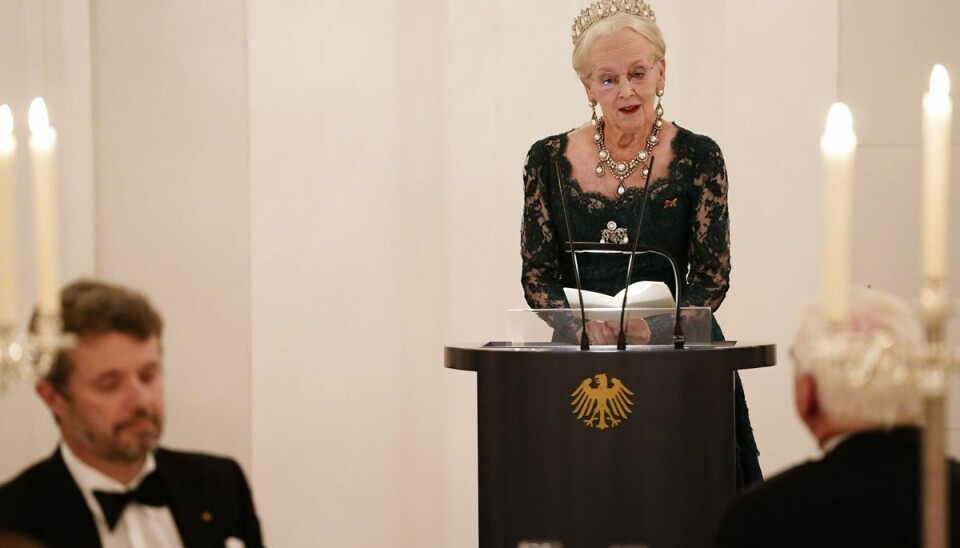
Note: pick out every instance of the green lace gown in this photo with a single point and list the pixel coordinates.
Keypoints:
(685, 216)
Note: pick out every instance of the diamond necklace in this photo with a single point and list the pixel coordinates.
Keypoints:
(622, 170)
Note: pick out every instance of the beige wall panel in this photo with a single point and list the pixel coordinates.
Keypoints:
(347, 235)
(779, 66)
(45, 51)
(173, 199)
(887, 49)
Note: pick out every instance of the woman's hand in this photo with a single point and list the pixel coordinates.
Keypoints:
(638, 332)
(598, 332)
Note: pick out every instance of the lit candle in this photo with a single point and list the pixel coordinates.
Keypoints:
(837, 148)
(937, 115)
(8, 254)
(43, 157)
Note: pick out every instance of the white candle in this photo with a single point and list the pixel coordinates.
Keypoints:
(43, 158)
(937, 116)
(837, 147)
(8, 250)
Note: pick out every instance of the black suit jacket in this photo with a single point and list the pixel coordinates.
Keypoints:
(209, 499)
(865, 492)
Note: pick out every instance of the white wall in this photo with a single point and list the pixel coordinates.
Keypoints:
(319, 199)
(347, 235)
(173, 198)
(779, 80)
(887, 49)
(45, 51)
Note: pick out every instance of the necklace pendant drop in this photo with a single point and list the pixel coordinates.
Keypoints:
(622, 170)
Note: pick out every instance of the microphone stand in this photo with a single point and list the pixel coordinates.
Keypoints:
(584, 338)
(678, 336)
(622, 337)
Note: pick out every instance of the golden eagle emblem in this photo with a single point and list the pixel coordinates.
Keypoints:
(601, 406)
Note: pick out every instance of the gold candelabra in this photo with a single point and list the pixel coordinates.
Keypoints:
(935, 364)
(27, 357)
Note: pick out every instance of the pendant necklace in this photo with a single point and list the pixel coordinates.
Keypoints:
(622, 170)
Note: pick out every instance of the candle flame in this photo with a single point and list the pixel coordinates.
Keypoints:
(939, 82)
(839, 136)
(6, 121)
(839, 119)
(38, 118)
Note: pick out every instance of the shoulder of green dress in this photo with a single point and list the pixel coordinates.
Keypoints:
(703, 151)
(549, 147)
(699, 144)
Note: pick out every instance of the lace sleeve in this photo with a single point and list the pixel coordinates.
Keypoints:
(539, 247)
(709, 254)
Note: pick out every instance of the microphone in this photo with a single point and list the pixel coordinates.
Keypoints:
(678, 337)
(622, 337)
(584, 338)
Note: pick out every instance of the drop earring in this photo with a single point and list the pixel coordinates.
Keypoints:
(593, 107)
(659, 101)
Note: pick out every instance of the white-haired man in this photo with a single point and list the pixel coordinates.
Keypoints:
(863, 411)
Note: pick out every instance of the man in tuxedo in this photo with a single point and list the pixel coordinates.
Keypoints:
(108, 483)
(865, 490)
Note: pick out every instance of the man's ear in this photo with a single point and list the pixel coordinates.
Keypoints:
(805, 396)
(54, 400)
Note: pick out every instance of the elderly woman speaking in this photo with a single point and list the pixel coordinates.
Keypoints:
(603, 167)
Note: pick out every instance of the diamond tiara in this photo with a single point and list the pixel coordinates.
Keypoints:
(598, 11)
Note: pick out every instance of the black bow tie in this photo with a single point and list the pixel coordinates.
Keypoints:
(149, 492)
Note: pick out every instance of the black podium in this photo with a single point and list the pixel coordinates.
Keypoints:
(600, 448)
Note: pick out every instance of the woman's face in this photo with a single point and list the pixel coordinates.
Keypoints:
(624, 78)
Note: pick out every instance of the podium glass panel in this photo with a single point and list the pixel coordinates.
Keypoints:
(557, 326)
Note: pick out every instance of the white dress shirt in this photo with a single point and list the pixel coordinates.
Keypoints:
(140, 525)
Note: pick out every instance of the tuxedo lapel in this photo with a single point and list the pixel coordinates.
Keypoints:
(69, 521)
(194, 518)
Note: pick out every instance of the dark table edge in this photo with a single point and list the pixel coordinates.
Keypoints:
(733, 354)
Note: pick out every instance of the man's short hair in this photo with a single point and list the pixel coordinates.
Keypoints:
(875, 381)
(92, 307)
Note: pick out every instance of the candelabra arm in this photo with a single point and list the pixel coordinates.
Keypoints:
(27, 357)
(933, 384)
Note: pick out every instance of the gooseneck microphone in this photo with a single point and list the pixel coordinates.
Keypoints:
(636, 249)
(678, 337)
(622, 337)
(584, 338)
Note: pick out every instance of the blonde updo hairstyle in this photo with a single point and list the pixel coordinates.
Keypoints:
(641, 25)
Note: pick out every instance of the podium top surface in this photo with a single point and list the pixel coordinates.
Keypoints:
(729, 354)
